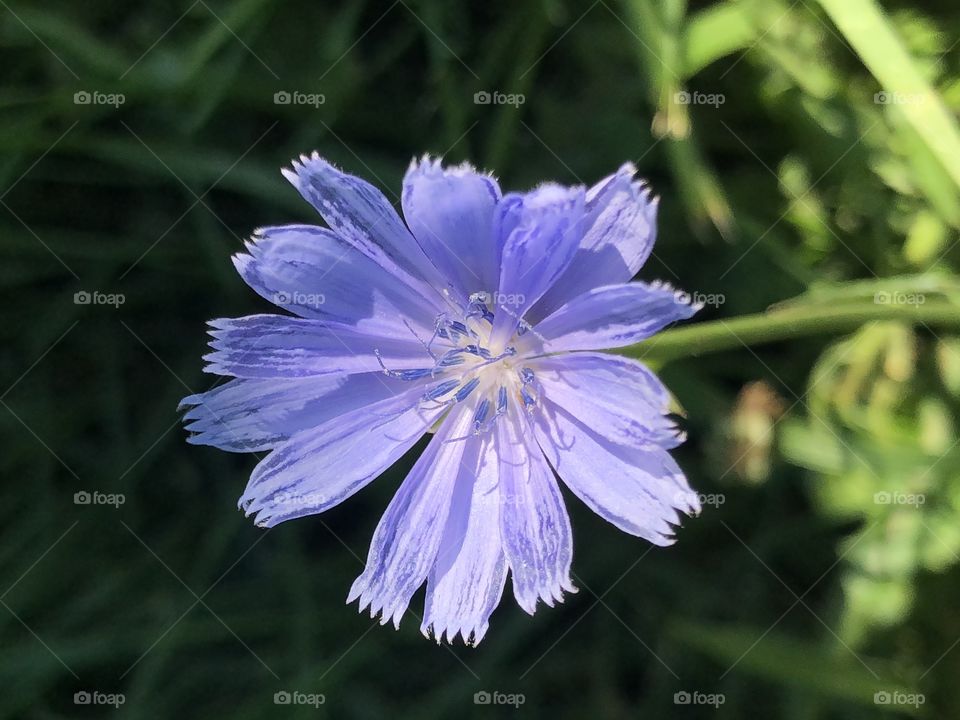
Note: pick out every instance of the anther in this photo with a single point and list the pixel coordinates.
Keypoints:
(441, 389)
(465, 391)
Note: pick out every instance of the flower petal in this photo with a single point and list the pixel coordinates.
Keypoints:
(618, 398)
(620, 230)
(450, 213)
(533, 520)
(314, 273)
(361, 215)
(610, 317)
(639, 491)
(251, 415)
(318, 468)
(405, 544)
(541, 231)
(467, 579)
(273, 346)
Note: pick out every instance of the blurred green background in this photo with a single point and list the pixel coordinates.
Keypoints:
(807, 157)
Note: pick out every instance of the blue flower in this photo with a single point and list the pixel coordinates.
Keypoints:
(478, 318)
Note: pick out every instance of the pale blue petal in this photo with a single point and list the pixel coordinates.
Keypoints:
(467, 579)
(620, 230)
(533, 519)
(319, 468)
(274, 346)
(407, 539)
(617, 397)
(252, 415)
(610, 317)
(314, 273)
(361, 215)
(540, 231)
(639, 491)
(450, 212)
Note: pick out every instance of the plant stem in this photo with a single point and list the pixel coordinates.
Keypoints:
(747, 330)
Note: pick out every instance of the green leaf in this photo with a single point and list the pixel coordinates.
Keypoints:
(713, 33)
(870, 32)
(809, 666)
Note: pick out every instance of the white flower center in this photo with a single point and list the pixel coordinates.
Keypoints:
(464, 367)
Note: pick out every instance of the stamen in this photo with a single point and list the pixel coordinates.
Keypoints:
(406, 375)
(478, 307)
(501, 401)
(464, 340)
(468, 388)
(483, 424)
(477, 350)
(459, 327)
(527, 378)
(441, 389)
(451, 358)
(529, 401)
(426, 346)
(480, 415)
(508, 352)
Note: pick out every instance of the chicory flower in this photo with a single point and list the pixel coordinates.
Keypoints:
(477, 317)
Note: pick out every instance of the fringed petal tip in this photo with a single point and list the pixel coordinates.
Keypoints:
(681, 296)
(195, 417)
(639, 187)
(189, 404)
(193, 413)
(242, 260)
(217, 329)
(684, 298)
(550, 595)
(267, 511)
(433, 166)
(305, 168)
(313, 161)
(687, 502)
(262, 516)
(378, 606)
(554, 197)
(470, 633)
